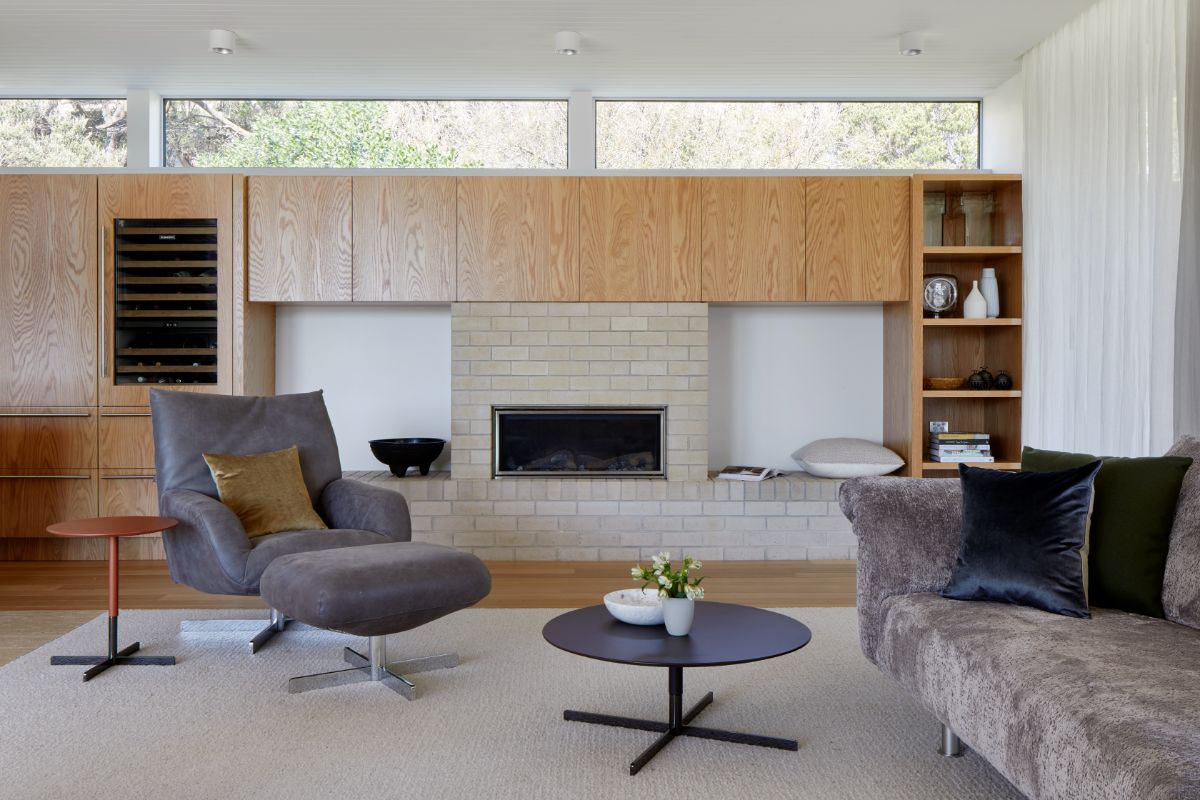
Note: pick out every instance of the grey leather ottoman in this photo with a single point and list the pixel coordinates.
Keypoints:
(371, 591)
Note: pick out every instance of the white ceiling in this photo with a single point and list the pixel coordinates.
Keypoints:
(465, 48)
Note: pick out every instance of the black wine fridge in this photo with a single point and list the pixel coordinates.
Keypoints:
(165, 275)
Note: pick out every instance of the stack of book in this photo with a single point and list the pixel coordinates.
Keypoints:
(967, 448)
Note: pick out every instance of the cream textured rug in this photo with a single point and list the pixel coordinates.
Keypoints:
(221, 724)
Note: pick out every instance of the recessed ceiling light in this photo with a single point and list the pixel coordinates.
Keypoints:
(222, 42)
(911, 44)
(566, 43)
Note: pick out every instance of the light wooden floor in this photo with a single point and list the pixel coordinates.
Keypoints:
(41, 600)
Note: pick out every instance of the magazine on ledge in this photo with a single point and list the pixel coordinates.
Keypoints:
(747, 473)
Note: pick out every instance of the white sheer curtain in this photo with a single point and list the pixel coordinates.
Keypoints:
(1103, 140)
(1187, 301)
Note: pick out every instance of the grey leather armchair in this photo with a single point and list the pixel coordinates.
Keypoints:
(209, 549)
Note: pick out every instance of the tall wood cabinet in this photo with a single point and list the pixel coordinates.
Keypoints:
(48, 290)
(74, 440)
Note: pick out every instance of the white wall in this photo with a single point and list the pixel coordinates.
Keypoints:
(1003, 127)
(782, 376)
(385, 371)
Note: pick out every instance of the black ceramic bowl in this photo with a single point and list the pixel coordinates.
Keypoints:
(400, 454)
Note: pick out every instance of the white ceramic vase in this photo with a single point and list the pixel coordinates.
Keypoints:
(677, 615)
(975, 307)
(991, 291)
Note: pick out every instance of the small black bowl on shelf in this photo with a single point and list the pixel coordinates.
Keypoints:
(413, 451)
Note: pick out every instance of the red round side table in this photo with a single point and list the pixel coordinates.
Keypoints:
(113, 528)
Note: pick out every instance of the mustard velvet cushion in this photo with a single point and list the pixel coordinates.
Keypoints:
(265, 490)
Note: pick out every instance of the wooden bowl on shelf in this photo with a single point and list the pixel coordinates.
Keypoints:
(945, 384)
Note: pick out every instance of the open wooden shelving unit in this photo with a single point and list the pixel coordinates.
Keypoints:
(918, 346)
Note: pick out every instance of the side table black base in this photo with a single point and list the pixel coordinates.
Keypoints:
(115, 658)
(678, 725)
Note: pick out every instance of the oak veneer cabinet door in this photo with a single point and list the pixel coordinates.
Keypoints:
(857, 232)
(48, 290)
(518, 239)
(126, 439)
(404, 238)
(299, 239)
(639, 239)
(47, 438)
(753, 239)
(30, 500)
(167, 197)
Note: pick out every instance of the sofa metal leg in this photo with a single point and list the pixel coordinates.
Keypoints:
(274, 625)
(950, 745)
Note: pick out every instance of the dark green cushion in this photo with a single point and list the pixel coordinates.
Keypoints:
(1134, 509)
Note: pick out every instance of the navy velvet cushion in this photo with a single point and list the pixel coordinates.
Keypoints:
(1023, 535)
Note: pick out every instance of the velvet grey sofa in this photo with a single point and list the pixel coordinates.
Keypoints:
(1107, 707)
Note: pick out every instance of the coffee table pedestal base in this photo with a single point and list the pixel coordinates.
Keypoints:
(115, 657)
(679, 724)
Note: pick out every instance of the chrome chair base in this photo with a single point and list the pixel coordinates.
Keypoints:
(375, 668)
(950, 745)
(276, 624)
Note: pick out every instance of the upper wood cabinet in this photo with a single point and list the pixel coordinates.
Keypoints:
(639, 239)
(299, 238)
(753, 239)
(48, 290)
(404, 230)
(857, 240)
(518, 239)
(172, 196)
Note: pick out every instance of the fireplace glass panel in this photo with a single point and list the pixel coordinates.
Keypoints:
(610, 442)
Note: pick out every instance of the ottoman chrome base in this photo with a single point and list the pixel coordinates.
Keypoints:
(375, 668)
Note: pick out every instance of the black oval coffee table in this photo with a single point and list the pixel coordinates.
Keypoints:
(722, 634)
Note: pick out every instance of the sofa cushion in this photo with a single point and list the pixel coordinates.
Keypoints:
(1131, 525)
(1181, 582)
(1065, 708)
(1024, 538)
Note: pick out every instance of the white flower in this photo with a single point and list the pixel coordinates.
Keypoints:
(694, 592)
(636, 572)
(663, 593)
(696, 565)
(664, 580)
(660, 559)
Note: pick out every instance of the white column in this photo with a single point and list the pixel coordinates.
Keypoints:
(581, 134)
(144, 129)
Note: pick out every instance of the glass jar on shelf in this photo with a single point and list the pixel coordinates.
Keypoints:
(934, 208)
(977, 212)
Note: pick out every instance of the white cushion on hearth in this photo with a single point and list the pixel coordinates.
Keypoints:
(846, 458)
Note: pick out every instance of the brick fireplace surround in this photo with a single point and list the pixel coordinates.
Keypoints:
(604, 354)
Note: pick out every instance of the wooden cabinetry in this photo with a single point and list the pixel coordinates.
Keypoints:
(47, 438)
(48, 290)
(639, 239)
(126, 439)
(299, 238)
(404, 233)
(172, 196)
(858, 238)
(518, 239)
(753, 239)
(919, 346)
(32, 499)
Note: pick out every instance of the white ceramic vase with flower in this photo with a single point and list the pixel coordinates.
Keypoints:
(678, 591)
